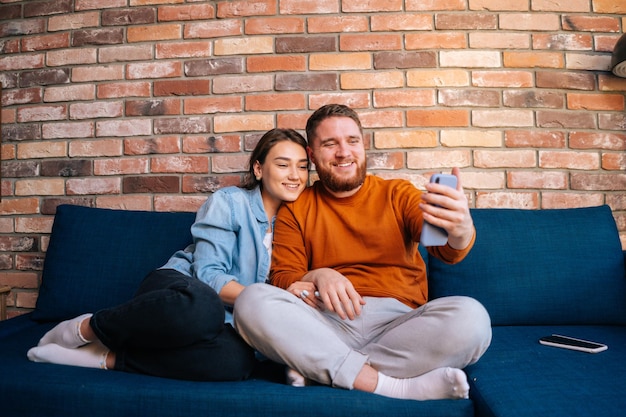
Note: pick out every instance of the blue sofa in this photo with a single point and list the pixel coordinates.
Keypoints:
(537, 272)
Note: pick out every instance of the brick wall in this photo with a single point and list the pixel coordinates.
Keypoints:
(151, 104)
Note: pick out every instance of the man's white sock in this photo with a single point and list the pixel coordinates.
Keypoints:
(295, 378)
(66, 333)
(92, 355)
(438, 384)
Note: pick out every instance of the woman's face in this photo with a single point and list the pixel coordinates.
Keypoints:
(285, 172)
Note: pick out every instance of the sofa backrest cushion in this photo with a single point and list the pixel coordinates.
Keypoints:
(97, 257)
(559, 266)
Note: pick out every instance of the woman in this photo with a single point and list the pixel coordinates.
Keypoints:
(179, 324)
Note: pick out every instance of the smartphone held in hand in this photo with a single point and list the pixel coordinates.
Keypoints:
(433, 235)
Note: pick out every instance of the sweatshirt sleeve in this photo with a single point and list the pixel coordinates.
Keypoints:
(450, 255)
(289, 255)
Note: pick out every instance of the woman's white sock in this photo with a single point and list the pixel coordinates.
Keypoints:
(92, 355)
(438, 384)
(66, 334)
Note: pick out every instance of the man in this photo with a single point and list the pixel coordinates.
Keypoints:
(348, 306)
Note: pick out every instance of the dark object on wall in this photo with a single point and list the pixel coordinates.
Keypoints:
(618, 59)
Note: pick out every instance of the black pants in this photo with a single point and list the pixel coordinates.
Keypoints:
(174, 328)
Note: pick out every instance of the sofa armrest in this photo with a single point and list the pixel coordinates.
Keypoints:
(4, 291)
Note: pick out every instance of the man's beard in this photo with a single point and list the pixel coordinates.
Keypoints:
(337, 184)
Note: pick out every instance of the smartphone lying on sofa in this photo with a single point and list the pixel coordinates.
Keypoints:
(433, 235)
(567, 342)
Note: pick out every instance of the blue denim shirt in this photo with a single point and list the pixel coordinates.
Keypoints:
(228, 241)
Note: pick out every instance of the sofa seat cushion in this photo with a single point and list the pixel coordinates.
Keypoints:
(97, 257)
(561, 266)
(30, 389)
(518, 377)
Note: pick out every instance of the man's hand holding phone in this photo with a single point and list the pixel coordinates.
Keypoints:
(446, 213)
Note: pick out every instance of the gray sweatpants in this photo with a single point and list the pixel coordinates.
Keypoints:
(390, 336)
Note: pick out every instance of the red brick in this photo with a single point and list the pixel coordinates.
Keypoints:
(502, 118)
(83, 186)
(156, 145)
(596, 23)
(569, 160)
(336, 24)
(505, 159)
(563, 119)
(186, 12)
(213, 29)
(125, 202)
(213, 104)
(598, 182)
(275, 102)
(609, 102)
(76, 56)
(130, 16)
(123, 89)
(154, 70)
(46, 42)
(593, 140)
(181, 87)
(100, 73)
(570, 200)
(533, 98)
(157, 107)
(469, 21)
(183, 50)
(154, 33)
(95, 148)
(24, 205)
(565, 80)
(435, 5)
(41, 113)
(404, 98)
(123, 166)
(274, 25)
(532, 179)
(563, 41)
(385, 160)
(512, 59)
(204, 184)
(180, 164)
(401, 22)
(614, 162)
(240, 8)
(522, 200)
(439, 159)
(129, 127)
(21, 62)
(309, 7)
(609, 7)
(150, 184)
(96, 110)
(534, 139)
(211, 144)
(436, 117)
(370, 42)
(276, 63)
(178, 203)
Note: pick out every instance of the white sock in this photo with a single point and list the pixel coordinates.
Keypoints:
(66, 333)
(295, 378)
(92, 355)
(438, 384)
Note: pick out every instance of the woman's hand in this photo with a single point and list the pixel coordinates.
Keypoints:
(307, 292)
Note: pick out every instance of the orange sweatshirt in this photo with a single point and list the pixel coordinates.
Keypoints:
(371, 238)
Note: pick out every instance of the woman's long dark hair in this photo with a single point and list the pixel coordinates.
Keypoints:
(263, 147)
